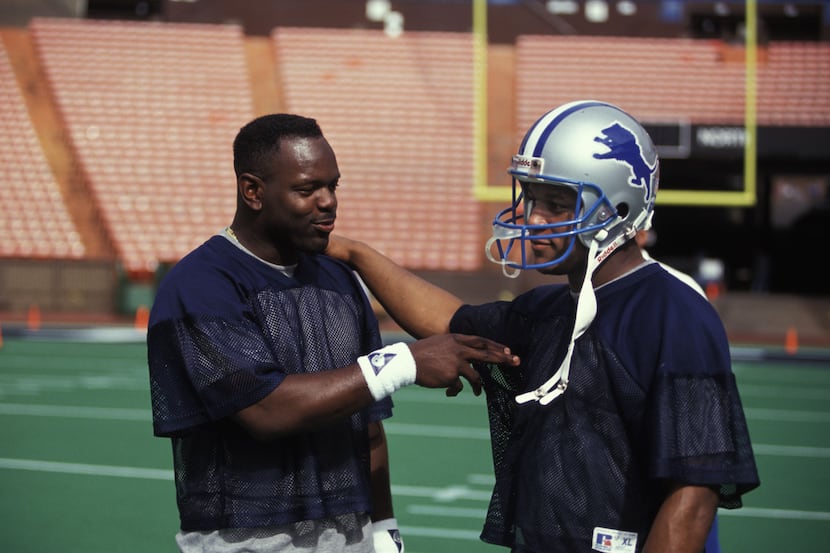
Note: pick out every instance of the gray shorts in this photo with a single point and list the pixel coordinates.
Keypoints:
(346, 534)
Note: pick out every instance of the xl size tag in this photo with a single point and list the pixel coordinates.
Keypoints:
(613, 541)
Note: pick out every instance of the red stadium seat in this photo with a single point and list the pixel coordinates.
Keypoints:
(151, 109)
(399, 114)
(34, 219)
(659, 79)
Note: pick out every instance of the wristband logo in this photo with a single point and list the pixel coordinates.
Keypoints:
(379, 360)
(395, 534)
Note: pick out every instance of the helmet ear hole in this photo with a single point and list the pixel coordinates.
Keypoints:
(622, 210)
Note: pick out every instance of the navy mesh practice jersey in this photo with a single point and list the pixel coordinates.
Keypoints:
(225, 330)
(651, 399)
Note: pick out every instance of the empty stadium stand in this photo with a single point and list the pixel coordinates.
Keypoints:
(399, 115)
(794, 84)
(34, 220)
(670, 79)
(151, 110)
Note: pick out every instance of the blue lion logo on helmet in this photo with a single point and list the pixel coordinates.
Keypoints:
(623, 147)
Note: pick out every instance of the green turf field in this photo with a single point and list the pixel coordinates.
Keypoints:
(80, 471)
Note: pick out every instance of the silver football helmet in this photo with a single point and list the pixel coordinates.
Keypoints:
(605, 156)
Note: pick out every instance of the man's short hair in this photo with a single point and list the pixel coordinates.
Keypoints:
(259, 140)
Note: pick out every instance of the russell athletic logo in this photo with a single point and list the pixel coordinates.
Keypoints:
(379, 360)
(604, 542)
(608, 540)
(622, 146)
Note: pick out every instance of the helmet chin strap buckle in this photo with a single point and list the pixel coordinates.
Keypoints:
(555, 393)
(545, 393)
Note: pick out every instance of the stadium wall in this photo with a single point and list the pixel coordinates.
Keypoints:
(58, 286)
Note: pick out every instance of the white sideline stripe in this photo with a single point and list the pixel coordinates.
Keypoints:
(747, 512)
(758, 512)
(782, 415)
(111, 413)
(791, 451)
(393, 428)
(423, 395)
(449, 512)
(438, 494)
(481, 479)
(447, 494)
(790, 392)
(77, 412)
(81, 468)
(436, 431)
(448, 533)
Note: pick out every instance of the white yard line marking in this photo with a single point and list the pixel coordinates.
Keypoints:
(449, 512)
(86, 469)
(449, 493)
(437, 431)
(777, 514)
(791, 451)
(75, 412)
(393, 428)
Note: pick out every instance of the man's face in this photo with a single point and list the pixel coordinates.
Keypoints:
(550, 204)
(299, 202)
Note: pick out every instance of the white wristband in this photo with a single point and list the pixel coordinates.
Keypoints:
(388, 369)
(387, 537)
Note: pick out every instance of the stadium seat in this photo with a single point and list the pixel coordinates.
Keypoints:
(34, 220)
(793, 85)
(151, 110)
(662, 79)
(399, 113)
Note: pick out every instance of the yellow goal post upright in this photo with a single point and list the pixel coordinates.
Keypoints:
(742, 198)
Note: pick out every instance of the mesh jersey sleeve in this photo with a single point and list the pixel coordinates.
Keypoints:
(223, 341)
(694, 422)
(226, 368)
(700, 436)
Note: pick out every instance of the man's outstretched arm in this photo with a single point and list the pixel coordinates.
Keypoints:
(307, 401)
(418, 306)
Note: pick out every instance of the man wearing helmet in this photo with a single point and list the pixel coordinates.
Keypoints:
(622, 430)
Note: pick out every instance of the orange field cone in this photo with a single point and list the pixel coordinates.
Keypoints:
(712, 290)
(791, 341)
(142, 317)
(33, 318)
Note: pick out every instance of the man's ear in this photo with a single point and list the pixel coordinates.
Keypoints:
(251, 189)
